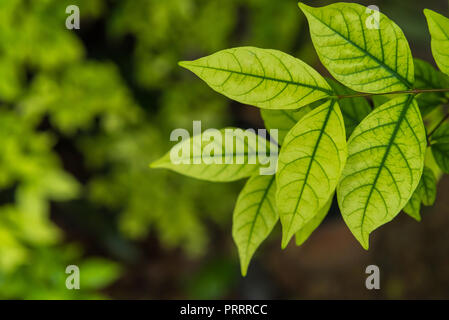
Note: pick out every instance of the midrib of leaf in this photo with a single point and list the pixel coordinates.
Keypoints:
(364, 51)
(384, 158)
(309, 167)
(288, 82)
(253, 223)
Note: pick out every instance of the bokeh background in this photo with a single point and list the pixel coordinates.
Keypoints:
(83, 113)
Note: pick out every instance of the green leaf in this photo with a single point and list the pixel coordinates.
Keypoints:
(425, 193)
(304, 233)
(439, 31)
(354, 110)
(385, 161)
(261, 77)
(426, 77)
(255, 216)
(413, 206)
(432, 164)
(375, 60)
(310, 163)
(440, 147)
(283, 120)
(428, 187)
(380, 100)
(232, 155)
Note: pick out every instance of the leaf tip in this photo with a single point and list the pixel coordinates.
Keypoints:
(365, 244)
(184, 64)
(430, 14)
(416, 217)
(244, 269)
(285, 240)
(156, 164)
(303, 6)
(299, 242)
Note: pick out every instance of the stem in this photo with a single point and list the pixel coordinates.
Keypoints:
(414, 91)
(438, 125)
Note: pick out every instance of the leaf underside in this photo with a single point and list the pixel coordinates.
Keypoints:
(255, 215)
(283, 120)
(363, 59)
(304, 233)
(245, 160)
(310, 164)
(384, 166)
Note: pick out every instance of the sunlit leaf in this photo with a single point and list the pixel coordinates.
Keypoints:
(439, 31)
(304, 233)
(310, 163)
(231, 155)
(264, 78)
(255, 215)
(385, 162)
(364, 59)
(283, 120)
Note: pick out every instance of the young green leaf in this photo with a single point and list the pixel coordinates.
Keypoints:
(384, 166)
(283, 120)
(255, 215)
(374, 60)
(310, 163)
(426, 77)
(263, 78)
(440, 147)
(439, 31)
(231, 154)
(304, 233)
(354, 110)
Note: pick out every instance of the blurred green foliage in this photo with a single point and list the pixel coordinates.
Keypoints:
(117, 108)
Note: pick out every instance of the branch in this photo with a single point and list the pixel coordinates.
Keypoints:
(414, 91)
